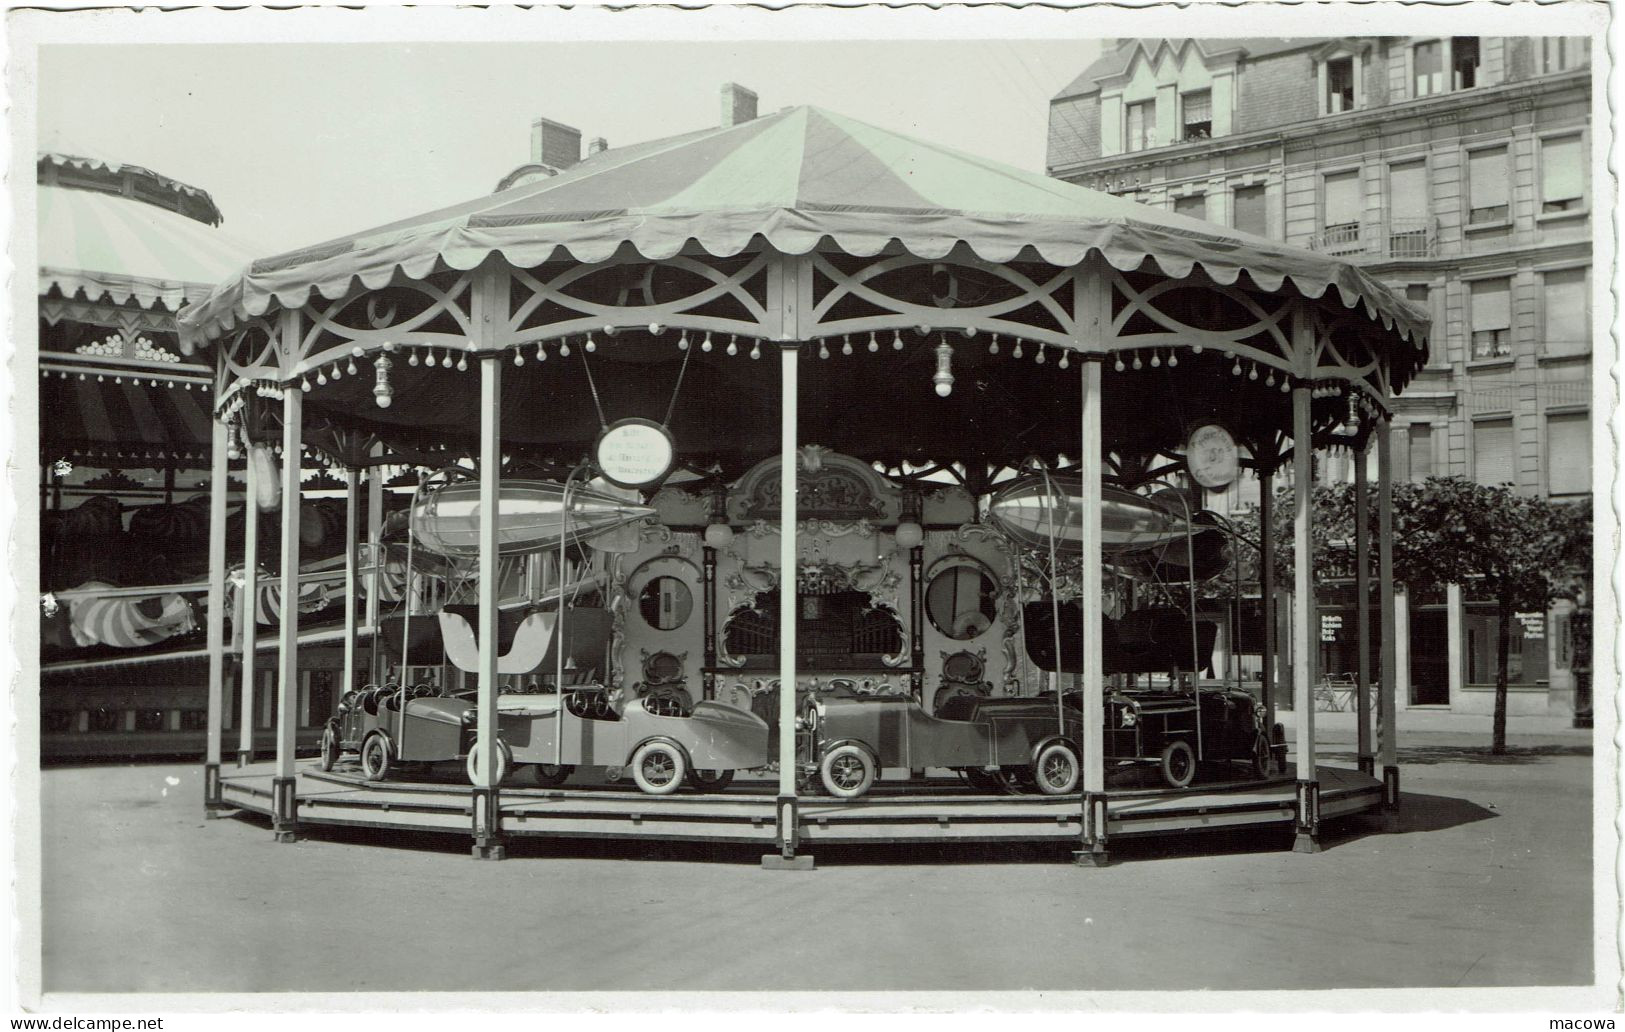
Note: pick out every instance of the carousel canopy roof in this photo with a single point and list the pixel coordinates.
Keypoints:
(100, 245)
(795, 179)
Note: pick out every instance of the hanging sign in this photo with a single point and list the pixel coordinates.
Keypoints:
(634, 452)
(1534, 624)
(1331, 626)
(1210, 454)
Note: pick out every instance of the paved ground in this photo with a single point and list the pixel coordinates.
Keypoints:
(1485, 880)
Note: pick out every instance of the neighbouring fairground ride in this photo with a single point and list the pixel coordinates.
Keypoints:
(782, 310)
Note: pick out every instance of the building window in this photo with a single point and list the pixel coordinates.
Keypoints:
(1408, 222)
(1487, 186)
(1566, 328)
(1421, 452)
(1141, 126)
(1562, 174)
(1560, 53)
(1248, 212)
(1464, 62)
(1192, 205)
(1492, 452)
(1568, 454)
(1339, 85)
(1418, 293)
(1491, 318)
(1427, 69)
(1341, 208)
(1197, 114)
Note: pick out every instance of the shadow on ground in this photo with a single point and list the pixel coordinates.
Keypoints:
(1428, 755)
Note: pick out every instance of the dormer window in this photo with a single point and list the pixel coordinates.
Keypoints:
(1339, 85)
(1196, 114)
(1140, 127)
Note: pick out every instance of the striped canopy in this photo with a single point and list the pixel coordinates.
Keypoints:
(105, 247)
(794, 179)
(100, 418)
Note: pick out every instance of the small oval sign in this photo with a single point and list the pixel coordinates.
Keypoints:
(1211, 456)
(635, 452)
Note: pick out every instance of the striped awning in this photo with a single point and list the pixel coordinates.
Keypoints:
(102, 418)
(101, 246)
(796, 179)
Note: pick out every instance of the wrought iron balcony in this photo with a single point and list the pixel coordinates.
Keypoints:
(1392, 238)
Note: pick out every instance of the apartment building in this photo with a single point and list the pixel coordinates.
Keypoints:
(1457, 169)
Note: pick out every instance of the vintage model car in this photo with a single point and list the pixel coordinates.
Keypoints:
(1180, 730)
(848, 741)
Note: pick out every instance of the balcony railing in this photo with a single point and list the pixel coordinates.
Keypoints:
(1393, 238)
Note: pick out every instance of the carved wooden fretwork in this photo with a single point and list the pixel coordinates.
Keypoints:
(835, 494)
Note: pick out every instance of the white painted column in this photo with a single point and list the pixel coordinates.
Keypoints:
(1093, 851)
(487, 826)
(375, 579)
(1304, 624)
(284, 808)
(215, 632)
(788, 356)
(1266, 559)
(1393, 637)
(247, 599)
(1456, 643)
(1362, 615)
(1402, 651)
(352, 478)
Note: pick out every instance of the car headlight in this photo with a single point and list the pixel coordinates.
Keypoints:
(1128, 719)
(470, 717)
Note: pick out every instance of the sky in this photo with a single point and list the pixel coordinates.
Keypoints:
(302, 142)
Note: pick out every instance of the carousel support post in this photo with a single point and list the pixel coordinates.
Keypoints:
(1307, 825)
(248, 633)
(215, 640)
(352, 478)
(788, 818)
(488, 844)
(1092, 850)
(284, 803)
(375, 578)
(1266, 586)
(1362, 616)
(1387, 730)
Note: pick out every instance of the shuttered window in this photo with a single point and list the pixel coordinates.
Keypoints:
(1250, 213)
(1491, 316)
(1194, 206)
(1342, 204)
(1568, 454)
(1408, 191)
(1567, 319)
(1487, 185)
(1562, 176)
(1492, 452)
(1421, 452)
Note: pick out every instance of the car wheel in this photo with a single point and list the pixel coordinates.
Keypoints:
(981, 780)
(375, 758)
(504, 761)
(330, 748)
(1178, 764)
(710, 780)
(1263, 759)
(1012, 780)
(658, 768)
(847, 771)
(1057, 770)
(551, 775)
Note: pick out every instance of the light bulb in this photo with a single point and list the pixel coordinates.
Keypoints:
(564, 349)
(1039, 358)
(1117, 363)
(846, 347)
(351, 367)
(413, 359)
(705, 345)
(1173, 360)
(874, 345)
(462, 363)
(682, 342)
(304, 385)
(823, 351)
(1017, 352)
(1066, 360)
(756, 349)
(733, 346)
(591, 345)
(321, 378)
(1156, 360)
(897, 340)
(1137, 363)
(430, 360)
(943, 379)
(1252, 374)
(518, 357)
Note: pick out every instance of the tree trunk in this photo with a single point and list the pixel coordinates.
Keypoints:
(1503, 645)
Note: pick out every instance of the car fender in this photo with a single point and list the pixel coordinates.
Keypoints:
(668, 740)
(1049, 740)
(827, 747)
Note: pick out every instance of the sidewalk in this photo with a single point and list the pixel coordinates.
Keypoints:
(1432, 720)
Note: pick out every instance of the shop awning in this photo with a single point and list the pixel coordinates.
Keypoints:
(795, 179)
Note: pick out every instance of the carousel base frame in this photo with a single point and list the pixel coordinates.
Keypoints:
(928, 812)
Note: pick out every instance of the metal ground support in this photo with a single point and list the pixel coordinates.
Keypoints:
(787, 835)
(284, 809)
(1092, 849)
(1390, 789)
(487, 811)
(213, 805)
(1306, 826)
(244, 757)
(1368, 765)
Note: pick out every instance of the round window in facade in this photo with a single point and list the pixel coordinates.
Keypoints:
(962, 601)
(665, 603)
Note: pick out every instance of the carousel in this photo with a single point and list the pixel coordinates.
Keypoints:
(803, 482)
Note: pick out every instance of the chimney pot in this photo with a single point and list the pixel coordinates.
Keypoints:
(597, 145)
(738, 104)
(554, 144)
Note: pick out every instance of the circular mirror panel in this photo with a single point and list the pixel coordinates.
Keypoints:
(665, 603)
(961, 602)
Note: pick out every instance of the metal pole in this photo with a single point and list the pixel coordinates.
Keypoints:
(248, 632)
(1303, 624)
(788, 355)
(353, 487)
(1093, 851)
(487, 828)
(1266, 586)
(215, 635)
(1362, 602)
(287, 718)
(375, 579)
(1388, 731)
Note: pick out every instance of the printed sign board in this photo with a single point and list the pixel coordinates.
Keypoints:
(634, 452)
(1211, 457)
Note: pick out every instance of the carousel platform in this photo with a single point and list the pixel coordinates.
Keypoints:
(936, 810)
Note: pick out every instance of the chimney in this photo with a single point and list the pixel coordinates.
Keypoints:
(554, 144)
(738, 105)
(597, 145)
